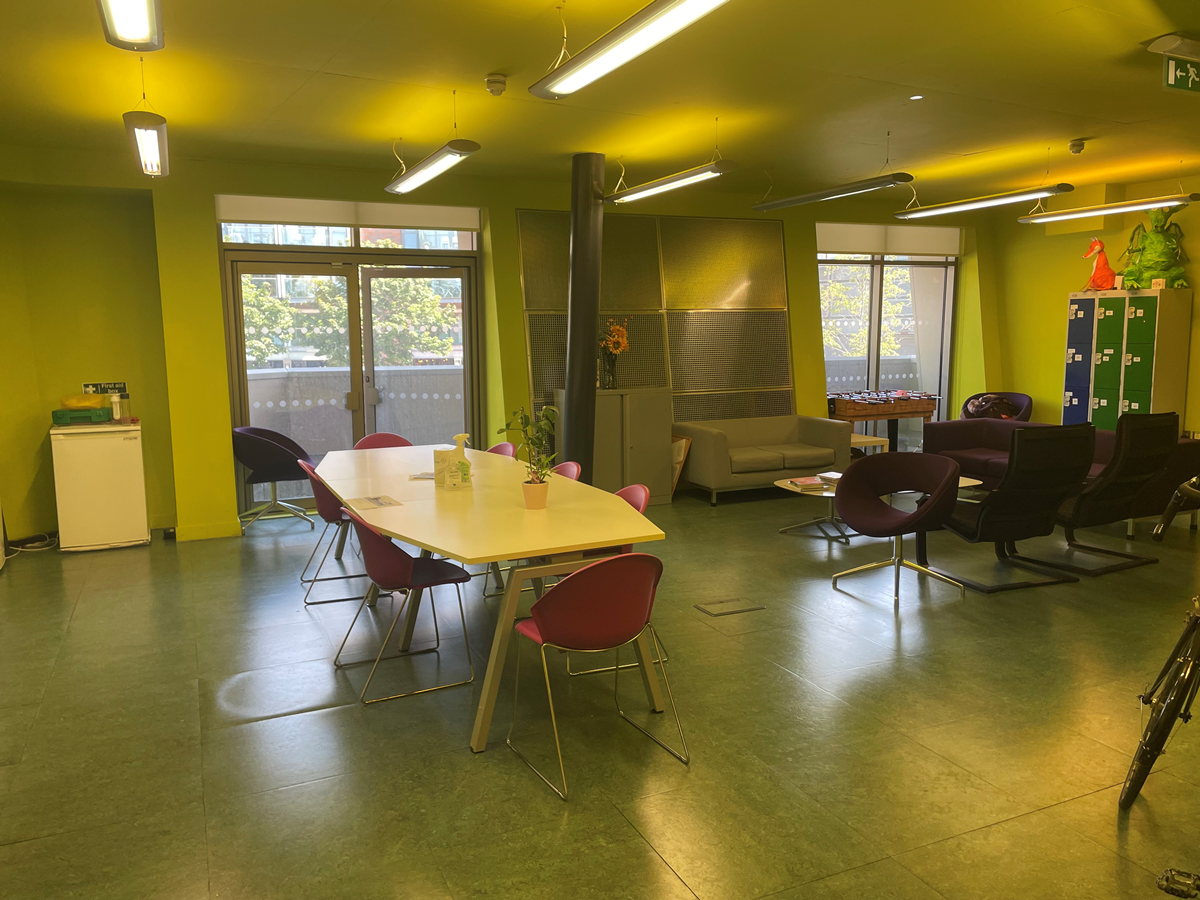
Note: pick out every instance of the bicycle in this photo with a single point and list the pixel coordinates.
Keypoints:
(1170, 697)
(1189, 490)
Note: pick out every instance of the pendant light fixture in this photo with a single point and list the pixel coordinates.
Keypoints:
(440, 160)
(671, 182)
(640, 32)
(148, 136)
(132, 24)
(942, 209)
(833, 193)
(1109, 209)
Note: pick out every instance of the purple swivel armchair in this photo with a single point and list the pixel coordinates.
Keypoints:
(270, 457)
(860, 506)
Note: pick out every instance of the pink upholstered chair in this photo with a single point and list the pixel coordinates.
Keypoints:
(599, 608)
(504, 448)
(568, 470)
(637, 496)
(382, 439)
(330, 511)
(391, 570)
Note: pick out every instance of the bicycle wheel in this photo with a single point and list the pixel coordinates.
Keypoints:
(1165, 707)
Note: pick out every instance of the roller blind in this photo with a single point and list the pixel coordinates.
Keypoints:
(892, 240)
(297, 211)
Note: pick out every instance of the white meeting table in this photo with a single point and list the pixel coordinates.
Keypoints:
(488, 523)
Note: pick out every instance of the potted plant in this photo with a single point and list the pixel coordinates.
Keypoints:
(613, 343)
(536, 438)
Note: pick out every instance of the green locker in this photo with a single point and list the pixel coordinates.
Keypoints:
(1142, 315)
(1110, 322)
(1135, 402)
(1107, 367)
(1105, 408)
(1139, 369)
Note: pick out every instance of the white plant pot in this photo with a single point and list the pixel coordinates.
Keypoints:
(535, 494)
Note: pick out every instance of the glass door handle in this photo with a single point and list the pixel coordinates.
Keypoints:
(373, 396)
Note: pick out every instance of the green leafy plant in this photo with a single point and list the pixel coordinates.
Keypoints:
(536, 439)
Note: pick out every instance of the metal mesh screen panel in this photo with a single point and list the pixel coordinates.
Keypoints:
(731, 405)
(547, 355)
(722, 263)
(545, 257)
(629, 274)
(645, 363)
(728, 350)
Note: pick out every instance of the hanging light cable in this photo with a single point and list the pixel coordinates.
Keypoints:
(444, 158)
(148, 135)
(714, 168)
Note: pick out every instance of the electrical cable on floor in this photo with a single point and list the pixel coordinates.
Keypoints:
(30, 545)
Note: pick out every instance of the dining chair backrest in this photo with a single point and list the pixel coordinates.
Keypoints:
(276, 437)
(382, 439)
(603, 605)
(636, 495)
(329, 508)
(267, 459)
(387, 564)
(504, 448)
(568, 470)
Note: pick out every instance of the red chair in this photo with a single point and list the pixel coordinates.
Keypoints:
(568, 470)
(330, 511)
(596, 609)
(504, 448)
(382, 439)
(637, 496)
(392, 570)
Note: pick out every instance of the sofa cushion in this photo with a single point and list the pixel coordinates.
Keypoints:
(801, 456)
(976, 460)
(754, 459)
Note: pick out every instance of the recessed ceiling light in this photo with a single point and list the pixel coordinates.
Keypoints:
(917, 97)
(132, 24)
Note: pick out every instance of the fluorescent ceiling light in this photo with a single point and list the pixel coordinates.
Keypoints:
(437, 162)
(132, 24)
(942, 209)
(629, 40)
(842, 190)
(148, 135)
(671, 182)
(917, 97)
(1106, 209)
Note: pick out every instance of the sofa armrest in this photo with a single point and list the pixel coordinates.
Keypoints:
(954, 434)
(831, 433)
(707, 462)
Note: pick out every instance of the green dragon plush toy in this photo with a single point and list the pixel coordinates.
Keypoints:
(1157, 253)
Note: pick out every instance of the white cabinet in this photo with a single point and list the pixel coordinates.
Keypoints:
(99, 486)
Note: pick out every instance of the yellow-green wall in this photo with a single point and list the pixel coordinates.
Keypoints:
(184, 241)
(79, 302)
(1033, 274)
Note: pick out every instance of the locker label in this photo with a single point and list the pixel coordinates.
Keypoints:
(1103, 402)
(1137, 359)
(1074, 401)
(1132, 405)
(1078, 357)
(1140, 312)
(1110, 351)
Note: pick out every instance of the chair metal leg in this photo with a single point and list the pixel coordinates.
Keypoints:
(274, 505)
(1006, 552)
(664, 658)
(387, 639)
(553, 723)
(684, 757)
(898, 562)
(311, 582)
(1131, 560)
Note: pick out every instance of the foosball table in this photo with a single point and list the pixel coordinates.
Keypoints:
(889, 406)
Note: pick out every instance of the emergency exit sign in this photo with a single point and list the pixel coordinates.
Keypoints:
(1181, 74)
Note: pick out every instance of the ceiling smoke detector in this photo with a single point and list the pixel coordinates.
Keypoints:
(496, 84)
(1076, 147)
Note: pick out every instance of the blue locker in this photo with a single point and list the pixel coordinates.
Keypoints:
(1077, 380)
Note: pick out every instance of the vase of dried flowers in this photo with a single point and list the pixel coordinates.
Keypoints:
(613, 343)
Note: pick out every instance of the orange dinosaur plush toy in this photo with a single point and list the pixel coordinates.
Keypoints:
(1103, 277)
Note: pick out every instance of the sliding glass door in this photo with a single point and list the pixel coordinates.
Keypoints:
(886, 322)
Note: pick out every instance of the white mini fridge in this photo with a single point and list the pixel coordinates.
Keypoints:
(100, 486)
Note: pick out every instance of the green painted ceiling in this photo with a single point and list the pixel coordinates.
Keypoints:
(807, 90)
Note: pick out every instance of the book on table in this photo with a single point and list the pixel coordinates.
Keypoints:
(830, 478)
(809, 483)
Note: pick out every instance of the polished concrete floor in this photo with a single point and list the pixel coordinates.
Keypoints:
(171, 726)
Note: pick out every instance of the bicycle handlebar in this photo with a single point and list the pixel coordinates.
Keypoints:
(1189, 490)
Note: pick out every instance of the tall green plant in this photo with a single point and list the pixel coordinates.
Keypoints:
(536, 439)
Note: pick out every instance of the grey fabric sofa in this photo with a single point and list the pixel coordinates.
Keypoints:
(738, 454)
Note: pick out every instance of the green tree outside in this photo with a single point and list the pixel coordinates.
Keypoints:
(266, 320)
(846, 296)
